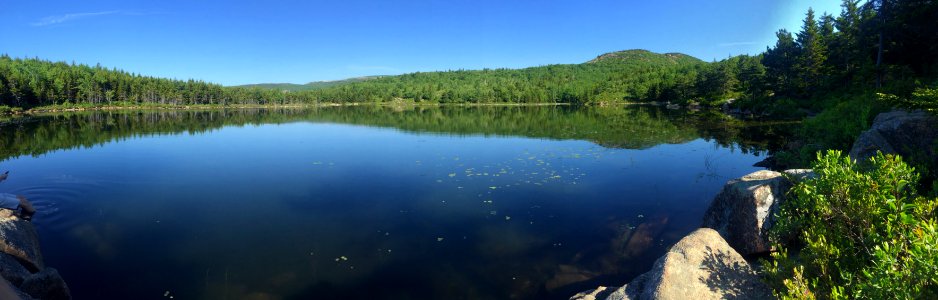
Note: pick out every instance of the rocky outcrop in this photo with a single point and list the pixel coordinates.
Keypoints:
(912, 135)
(700, 266)
(21, 263)
(594, 294)
(18, 238)
(709, 263)
(46, 284)
(745, 209)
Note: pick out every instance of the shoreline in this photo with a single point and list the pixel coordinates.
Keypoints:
(111, 107)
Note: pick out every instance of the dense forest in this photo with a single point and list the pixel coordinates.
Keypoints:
(616, 76)
(886, 45)
(859, 229)
(315, 85)
(840, 70)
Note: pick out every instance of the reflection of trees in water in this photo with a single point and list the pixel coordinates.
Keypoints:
(745, 136)
(621, 127)
(617, 127)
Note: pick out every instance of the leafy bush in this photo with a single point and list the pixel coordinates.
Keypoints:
(921, 98)
(856, 232)
(6, 110)
(837, 127)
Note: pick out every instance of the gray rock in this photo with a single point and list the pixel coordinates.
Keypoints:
(632, 290)
(745, 209)
(12, 270)
(700, 266)
(913, 135)
(18, 238)
(46, 285)
(21, 266)
(594, 294)
(800, 174)
(7, 291)
(629, 291)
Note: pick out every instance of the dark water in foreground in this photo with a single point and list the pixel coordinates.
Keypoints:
(368, 203)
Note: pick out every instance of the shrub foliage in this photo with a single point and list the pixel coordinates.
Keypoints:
(856, 231)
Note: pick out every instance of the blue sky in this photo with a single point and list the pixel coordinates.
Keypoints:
(237, 42)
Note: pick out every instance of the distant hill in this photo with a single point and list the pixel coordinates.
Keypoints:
(308, 86)
(635, 55)
(630, 75)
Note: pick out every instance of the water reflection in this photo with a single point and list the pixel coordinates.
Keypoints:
(363, 203)
(618, 127)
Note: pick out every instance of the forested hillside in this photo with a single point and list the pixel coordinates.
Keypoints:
(888, 46)
(627, 75)
(315, 85)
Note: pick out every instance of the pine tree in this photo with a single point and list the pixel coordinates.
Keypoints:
(779, 64)
(751, 76)
(811, 57)
(826, 29)
(845, 53)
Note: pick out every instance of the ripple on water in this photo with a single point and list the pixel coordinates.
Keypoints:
(60, 201)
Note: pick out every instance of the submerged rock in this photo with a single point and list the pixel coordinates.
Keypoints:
(745, 209)
(645, 235)
(913, 135)
(568, 274)
(700, 266)
(708, 263)
(47, 284)
(21, 261)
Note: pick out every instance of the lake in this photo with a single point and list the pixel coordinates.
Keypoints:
(369, 202)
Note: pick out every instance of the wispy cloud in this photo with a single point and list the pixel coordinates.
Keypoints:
(52, 20)
(736, 44)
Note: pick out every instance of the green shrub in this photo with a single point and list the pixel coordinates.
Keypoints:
(6, 110)
(921, 98)
(856, 232)
(837, 127)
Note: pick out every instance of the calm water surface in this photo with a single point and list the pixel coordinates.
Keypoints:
(368, 203)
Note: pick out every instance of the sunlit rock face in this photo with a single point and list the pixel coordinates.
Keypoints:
(21, 266)
(18, 238)
(700, 266)
(745, 210)
(913, 135)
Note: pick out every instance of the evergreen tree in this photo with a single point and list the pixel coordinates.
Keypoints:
(811, 56)
(780, 63)
(751, 76)
(845, 54)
